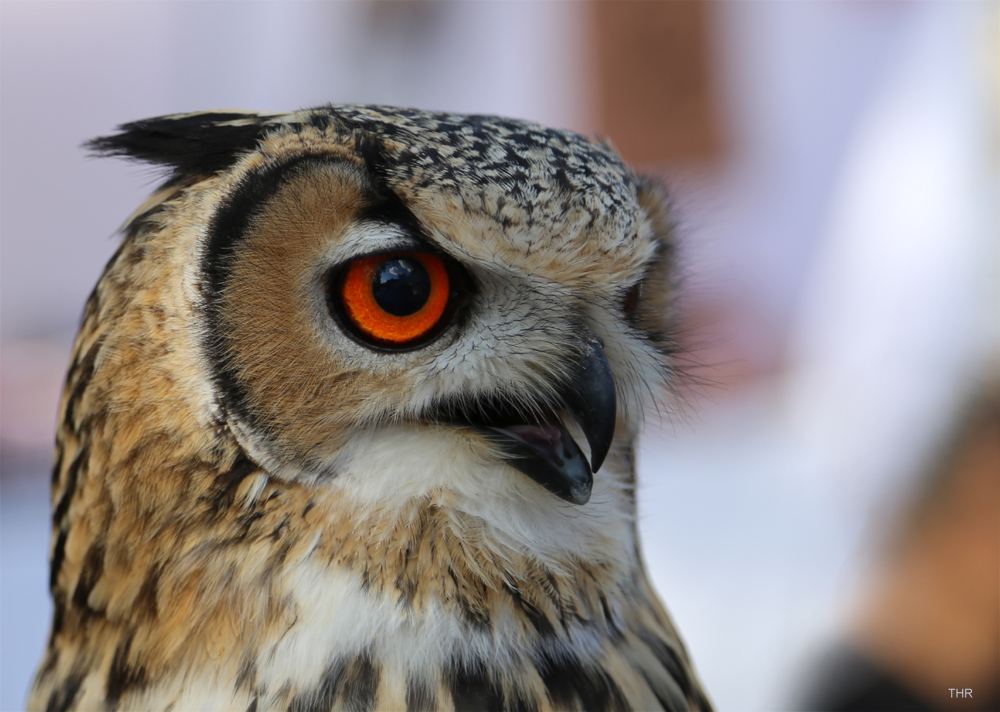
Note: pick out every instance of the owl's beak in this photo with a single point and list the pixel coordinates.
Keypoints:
(590, 399)
(545, 451)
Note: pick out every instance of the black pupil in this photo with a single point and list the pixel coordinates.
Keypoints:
(401, 286)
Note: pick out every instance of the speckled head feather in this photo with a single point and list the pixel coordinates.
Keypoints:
(350, 422)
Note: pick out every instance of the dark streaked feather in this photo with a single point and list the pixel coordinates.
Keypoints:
(189, 144)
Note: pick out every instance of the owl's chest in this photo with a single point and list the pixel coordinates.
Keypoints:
(348, 646)
(345, 645)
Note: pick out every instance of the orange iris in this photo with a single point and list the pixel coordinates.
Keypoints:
(361, 307)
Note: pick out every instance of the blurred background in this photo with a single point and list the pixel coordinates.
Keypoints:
(831, 471)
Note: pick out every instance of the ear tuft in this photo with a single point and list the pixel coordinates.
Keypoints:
(190, 144)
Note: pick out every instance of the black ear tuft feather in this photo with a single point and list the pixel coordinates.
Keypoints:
(190, 144)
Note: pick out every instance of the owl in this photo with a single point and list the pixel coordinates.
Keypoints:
(350, 425)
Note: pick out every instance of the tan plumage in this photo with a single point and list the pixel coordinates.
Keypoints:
(256, 507)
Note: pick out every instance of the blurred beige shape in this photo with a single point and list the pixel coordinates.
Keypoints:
(30, 381)
(932, 618)
(654, 81)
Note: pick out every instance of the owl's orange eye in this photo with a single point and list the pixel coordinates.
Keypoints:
(394, 301)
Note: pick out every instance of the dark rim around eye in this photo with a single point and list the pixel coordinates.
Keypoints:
(396, 301)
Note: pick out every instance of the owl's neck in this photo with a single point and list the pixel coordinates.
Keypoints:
(259, 588)
(444, 599)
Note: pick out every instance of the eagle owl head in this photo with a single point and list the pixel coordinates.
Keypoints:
(409, 301)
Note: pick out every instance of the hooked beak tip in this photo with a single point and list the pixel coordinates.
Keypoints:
(590, 398)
